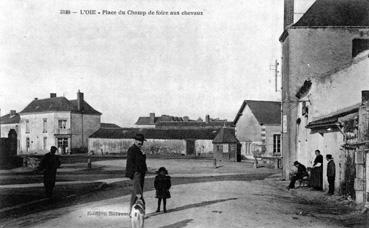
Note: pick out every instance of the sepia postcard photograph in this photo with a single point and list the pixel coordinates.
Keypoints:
(184, 113)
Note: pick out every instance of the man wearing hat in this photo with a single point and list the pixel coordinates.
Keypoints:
(331, 173)
(49, 164)
(136, 166)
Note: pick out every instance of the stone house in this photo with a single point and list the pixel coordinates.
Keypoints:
(57, 121)
(327, 36)
(258, 128)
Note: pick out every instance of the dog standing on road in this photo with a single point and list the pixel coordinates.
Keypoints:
(138, 213)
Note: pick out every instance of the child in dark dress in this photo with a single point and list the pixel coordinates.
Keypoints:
(162, 185)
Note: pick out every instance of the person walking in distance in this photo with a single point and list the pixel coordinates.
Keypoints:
(49, 164)
(136, 167)
(331, 173)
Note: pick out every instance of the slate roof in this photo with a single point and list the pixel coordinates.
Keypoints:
(109, 125)
(225, 135)
(336, 13)
(10, 119)
(58, 104)
(152, 133)
(266, 112)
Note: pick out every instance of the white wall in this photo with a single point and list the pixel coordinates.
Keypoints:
(203, 146)
(340, 90)
(36, 134)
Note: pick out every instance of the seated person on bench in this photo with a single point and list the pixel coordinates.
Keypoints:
(301, 173)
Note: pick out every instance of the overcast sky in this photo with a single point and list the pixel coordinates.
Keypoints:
(129, 66)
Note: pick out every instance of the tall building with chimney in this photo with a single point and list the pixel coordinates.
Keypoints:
(329, 35)
(57, 121)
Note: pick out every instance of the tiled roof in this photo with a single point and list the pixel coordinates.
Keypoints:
(225, 135)
(336, 13)
(109, 125)
(152, 133)
(58, 104)
(10, 119)
(266, 112)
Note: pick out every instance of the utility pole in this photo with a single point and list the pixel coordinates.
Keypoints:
(276, 71)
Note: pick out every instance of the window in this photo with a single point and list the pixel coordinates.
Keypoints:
(27, 143)
(44, 125)
(359, 45)
(248, 147)
(276, 144)
(45, 143)
(225, 148)
(62, 124)
(27, 126)
(219, 147)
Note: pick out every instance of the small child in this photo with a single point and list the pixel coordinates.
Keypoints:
(162, 185)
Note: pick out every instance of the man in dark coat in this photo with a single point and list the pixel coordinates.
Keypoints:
(331, 173)
(136, 167)
(49, 164)
(301, 173)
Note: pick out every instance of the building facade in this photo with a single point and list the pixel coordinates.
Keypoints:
(57, 121)
(327, 36)
(332, 124)
(324, 71)
(258, 128)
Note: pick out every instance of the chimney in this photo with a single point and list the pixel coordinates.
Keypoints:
(79, 101)
(207, 119)
(288, 13)
(152, 118)
(13, 112)
(36, 98)
(186, 118)
(52, 95)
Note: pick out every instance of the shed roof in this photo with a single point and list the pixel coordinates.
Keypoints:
(332, 120)
(225, 135)
(266, 112)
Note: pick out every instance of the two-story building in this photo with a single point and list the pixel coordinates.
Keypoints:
(57, 121)
(327, 36)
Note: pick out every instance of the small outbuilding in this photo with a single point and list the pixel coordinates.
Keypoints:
(226, 146)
